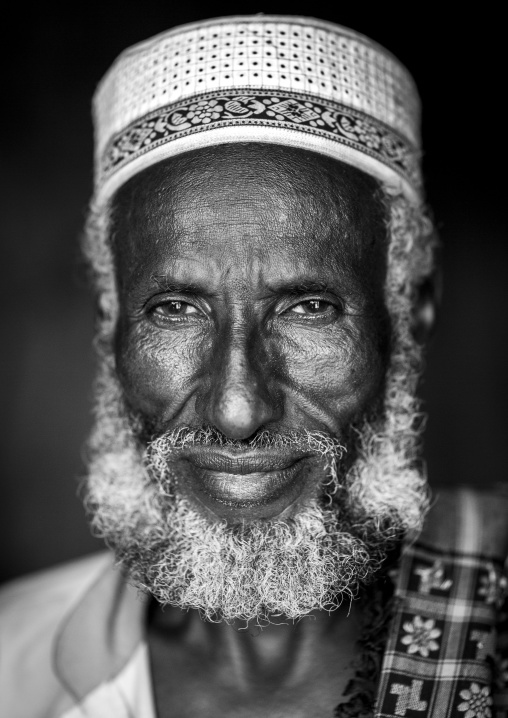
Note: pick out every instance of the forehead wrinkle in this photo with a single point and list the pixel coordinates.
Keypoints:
(288, 191)
(249, 222)
(258, 272)
(281, 190)
(249, 209)
(205, 253)
(316, 209)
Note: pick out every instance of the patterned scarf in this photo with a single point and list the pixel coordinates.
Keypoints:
(437, 645)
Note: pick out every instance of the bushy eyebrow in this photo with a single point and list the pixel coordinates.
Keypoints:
(170, 284)
(299, 288)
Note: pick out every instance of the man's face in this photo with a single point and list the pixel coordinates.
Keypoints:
(251, 302)
(253, 345)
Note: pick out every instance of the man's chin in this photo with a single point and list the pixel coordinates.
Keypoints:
(250, 571)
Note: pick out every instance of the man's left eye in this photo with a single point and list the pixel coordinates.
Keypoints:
(313, 307)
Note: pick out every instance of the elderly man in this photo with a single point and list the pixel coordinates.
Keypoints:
(264, 273)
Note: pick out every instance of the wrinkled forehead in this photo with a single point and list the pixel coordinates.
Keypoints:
(266, 197)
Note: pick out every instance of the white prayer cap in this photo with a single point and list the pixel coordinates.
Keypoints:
(283, 80)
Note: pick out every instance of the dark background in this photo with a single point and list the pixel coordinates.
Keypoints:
(55, 56)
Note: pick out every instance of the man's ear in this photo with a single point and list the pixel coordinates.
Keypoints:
(427, 304)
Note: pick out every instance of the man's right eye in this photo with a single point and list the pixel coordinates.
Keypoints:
(174, 310)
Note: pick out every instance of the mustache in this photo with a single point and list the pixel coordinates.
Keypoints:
(315, 442)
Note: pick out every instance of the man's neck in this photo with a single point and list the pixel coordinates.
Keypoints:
(313, 655)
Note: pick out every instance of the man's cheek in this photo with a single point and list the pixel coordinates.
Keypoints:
(158, 371)
(337, 378)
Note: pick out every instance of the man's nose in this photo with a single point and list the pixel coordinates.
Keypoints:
(240, 399)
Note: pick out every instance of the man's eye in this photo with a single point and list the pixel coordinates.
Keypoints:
(175, 309)
(313, 307)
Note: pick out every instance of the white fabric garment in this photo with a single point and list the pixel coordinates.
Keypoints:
(72, 645)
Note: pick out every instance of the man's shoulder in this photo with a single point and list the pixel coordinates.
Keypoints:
(36, 604)
(51, 589)
(32, 611)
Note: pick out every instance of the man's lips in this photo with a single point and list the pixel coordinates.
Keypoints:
(242, 463)
(257, 476)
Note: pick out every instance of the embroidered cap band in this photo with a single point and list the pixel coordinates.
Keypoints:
(290, 81)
